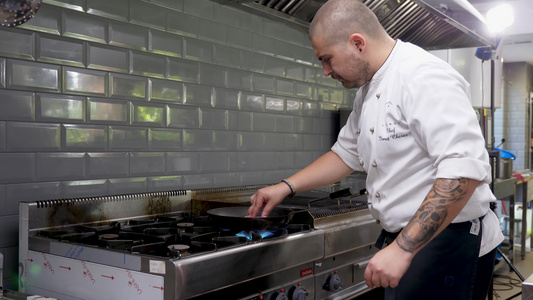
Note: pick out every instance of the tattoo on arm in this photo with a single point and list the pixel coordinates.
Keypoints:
(432, 213)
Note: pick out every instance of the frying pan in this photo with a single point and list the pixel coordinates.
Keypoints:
(236, 218)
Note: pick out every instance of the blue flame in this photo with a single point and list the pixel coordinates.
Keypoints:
(265, 233)
(246, 234)
(249, 234)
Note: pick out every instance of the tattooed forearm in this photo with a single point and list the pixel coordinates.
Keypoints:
(432, 213)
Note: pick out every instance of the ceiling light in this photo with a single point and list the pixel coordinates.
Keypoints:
(500, 17)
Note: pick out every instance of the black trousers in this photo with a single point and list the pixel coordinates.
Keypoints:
(447, 268)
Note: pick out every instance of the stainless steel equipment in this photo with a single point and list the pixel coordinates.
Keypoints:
(164, 246)
(431, 24)
(527, 288)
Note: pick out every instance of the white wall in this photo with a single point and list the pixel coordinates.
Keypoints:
(474, 70)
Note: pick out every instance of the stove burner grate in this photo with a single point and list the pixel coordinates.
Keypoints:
(163, 236)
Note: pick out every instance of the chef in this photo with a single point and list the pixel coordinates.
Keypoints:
(415, 134)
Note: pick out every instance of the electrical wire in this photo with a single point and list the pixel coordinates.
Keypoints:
(504, 283)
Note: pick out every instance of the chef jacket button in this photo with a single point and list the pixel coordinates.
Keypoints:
(374, 165)
(366, 192)
(358, 131)
(362, 163)
(378, 195)
(378, 95)
(377, 222)
(372, 129)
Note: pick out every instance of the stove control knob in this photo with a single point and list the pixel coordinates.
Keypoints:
(334, 283)
(280, 295)
(299, 293)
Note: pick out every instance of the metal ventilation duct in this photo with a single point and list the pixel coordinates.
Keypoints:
(412, 21)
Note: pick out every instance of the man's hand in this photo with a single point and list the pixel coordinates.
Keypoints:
(269, 197)
(327, 169)
(443, 203)
(387, 267)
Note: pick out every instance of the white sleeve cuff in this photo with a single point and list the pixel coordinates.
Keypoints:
(350, 159)
(464, 167)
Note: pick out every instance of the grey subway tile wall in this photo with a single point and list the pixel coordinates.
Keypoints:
(127, 185)
(102, 8)
(17, 167)
(125, 35)
(81, 137)
(32, 137)
(2, 71)
(108, 97)
(17, 193)
(107, 111)
(71, 54)
(24, 75)
(108, 164)
(2, 140)
(124, 138)
(77, 81)
(165, 139)
(17, 105)
(60, 108)
(107, 58)
(56, 166)
(147, 163)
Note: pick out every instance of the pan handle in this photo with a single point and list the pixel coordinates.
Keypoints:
(346, 192)
(338, 194)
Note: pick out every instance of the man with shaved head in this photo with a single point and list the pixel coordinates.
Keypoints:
(415, 134)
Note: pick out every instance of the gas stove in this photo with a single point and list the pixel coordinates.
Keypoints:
(171, 236)
(164, 246)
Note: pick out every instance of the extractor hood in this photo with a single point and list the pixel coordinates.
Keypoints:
(414, 21)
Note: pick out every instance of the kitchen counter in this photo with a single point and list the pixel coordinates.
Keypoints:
(522, 194)
(515, 189)
(504, 188)
(527, 288)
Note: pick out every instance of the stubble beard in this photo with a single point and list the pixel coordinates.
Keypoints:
(362, 74)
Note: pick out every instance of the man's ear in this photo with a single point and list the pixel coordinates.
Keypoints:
(358, 41)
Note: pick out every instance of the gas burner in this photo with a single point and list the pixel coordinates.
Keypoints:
(76, 233)
(185, 227)
(255, 235)
(175, 237)
(260, 235)
(228, 241)
(178, 250)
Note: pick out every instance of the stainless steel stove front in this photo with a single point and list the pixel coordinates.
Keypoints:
(325, 262)
(69, 271)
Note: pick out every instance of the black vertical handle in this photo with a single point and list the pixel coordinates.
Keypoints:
(346, 192)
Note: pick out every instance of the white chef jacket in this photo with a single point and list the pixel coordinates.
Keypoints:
(411, 124)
